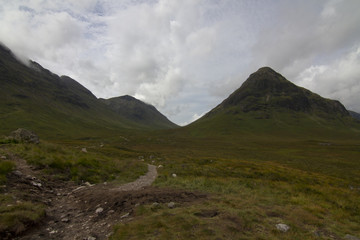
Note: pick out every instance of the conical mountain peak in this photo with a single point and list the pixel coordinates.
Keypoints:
(266, 80)
(268, 91)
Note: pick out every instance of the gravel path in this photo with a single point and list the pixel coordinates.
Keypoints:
(141, 182)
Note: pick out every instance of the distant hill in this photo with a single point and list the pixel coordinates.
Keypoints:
(35, 98)
(268, 103)
(355, 115)
(138, 111)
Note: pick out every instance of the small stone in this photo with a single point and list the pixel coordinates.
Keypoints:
(282, 227)
(36, 184)
(53, 232)
(29, 177)
(99, 210)
(155, 204)
(18, 173)
(160, 166)
(125, 215)
(3, 157)
(91, 238)
(84, 150)
(65, 220)
(351, 237)
(171, 205)
(174, 175)
(111, 211)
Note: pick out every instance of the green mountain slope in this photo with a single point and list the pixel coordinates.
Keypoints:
(33, 97)
(138, 111)
(267, 103)
(355, 115)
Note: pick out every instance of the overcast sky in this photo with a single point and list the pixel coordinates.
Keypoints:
(186, 56)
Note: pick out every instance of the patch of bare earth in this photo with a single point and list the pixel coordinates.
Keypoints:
(85, 211)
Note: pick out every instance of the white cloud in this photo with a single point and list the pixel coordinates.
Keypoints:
(339, 80)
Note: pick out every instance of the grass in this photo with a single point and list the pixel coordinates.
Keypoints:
(15, 216)
(255, 182)
(308, 180)
(71, 163)
(5, 168)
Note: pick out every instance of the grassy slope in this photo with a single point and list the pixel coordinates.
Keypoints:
(34, 98)
(139, 112)
(258, 176)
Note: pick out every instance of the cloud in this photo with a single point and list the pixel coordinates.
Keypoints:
(338, 80)
(186, 56)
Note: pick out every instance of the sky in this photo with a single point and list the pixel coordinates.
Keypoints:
(186, 56)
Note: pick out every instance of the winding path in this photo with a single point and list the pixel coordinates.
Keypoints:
(141, 182)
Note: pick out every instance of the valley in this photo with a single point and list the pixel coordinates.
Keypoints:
(271, 153)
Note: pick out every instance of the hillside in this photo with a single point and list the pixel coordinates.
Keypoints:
(35, 98)
(355, 115)
(268, 103)
(138, 111)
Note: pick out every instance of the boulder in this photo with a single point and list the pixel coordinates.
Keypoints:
(23, 135)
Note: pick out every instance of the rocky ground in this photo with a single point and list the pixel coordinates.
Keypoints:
(84, 211)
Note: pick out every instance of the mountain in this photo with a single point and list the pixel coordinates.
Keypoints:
(355, 115)
(138, 111)
(35, 98)
(268, 103)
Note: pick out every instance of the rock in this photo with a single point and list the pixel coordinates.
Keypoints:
(29, 177)
(350, 237)
(91, 238)
(18, 173)
(111, 211)
(99, 210)
(160, 166)
(84, 150)
(36, 184)
(155, 204)
(171, 205)
(65, 220)
(125, 215)
(23, 135)
(282, 227)
(3, 157)
(174, 175)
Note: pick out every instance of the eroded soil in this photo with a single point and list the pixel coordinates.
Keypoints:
(84, 211)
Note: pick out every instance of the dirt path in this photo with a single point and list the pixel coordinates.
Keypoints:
(86, 212)
(142, 181)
